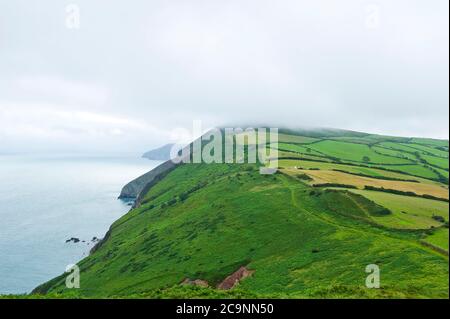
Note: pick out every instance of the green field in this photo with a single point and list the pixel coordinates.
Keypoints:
(442, 172)
(354, 152)
(398, 146)
(407, 212)
(439, 238)
(285, 138)
(413, 170)
(436, 161)
(298, 148)
(205, 221)
(431, 150)
(394, 153)
(282, 155)
(430, 142)
(347, 168)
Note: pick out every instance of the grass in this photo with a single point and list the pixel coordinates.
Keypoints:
(398, 146)
(378, 173)
(407, 212)
(327, 176)
(436, 161)
(298, 149)
(205, 221)
(354, 152)
(439, 238)
(296, 242)
(285, 138)
(429, 149)
(290, 155)
(442, 172)
(357, 140)
(394, 153)
(431, 142)
(413, 170)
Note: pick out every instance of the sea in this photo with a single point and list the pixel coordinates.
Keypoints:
(46, 200)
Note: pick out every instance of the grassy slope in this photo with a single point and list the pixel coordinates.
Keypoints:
(430, 142)
(270, 223)
(413, 170)
(355, 152)
(407, 212)
(285, 138)
(439, 238)
(436, 161)
(300, 242)
(298, 148)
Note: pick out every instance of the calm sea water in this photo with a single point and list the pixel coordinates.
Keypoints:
(45, 200)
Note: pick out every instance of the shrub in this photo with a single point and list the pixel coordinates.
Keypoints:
(398, 192)
(439, 218)
(183, 196)
(335, 185)
(304, 177)
(172, 202)
(382, 212)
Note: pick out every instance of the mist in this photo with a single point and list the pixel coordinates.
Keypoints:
(110, 76)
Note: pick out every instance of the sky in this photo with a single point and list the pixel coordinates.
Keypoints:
(118, 76)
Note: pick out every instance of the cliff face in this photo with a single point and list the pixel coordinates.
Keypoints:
(142, 184)
(135, 187)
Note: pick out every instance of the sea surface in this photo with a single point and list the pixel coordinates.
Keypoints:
(45, 200)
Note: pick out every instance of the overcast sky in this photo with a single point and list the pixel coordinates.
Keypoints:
(122, 75)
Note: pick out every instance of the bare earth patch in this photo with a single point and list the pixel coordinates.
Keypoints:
(233, 279)
(196, 282)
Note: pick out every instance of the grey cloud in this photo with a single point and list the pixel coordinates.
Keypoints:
(163, 64)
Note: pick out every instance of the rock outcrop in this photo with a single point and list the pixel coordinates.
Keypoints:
(136, 186)
(233, 279)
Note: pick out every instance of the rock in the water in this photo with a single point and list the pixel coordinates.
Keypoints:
(73, 239)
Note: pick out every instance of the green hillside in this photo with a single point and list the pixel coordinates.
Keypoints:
(337, 204)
